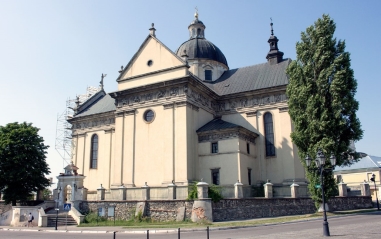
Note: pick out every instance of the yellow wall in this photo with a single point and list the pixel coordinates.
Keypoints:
(162, 63)
(100, 175)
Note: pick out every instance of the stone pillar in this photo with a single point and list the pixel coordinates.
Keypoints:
(101, 193)
(122, 192)
(202, 190)
(145, 192)
(268, 189)
(238, 191)
(342, 189)
(365, 190)
(202, 207)
(294, 190)
(171, 191)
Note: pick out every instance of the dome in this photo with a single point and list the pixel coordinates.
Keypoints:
(201, 48)
(197, 47)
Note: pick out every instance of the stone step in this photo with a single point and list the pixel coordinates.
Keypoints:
(61, 220)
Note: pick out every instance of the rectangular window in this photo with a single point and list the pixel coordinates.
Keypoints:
(248, 148)
(249, 175)
(338, 178)
(216, 176)
(208, 75)
(214, 147)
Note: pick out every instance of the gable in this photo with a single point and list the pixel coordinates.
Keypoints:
(153, 63)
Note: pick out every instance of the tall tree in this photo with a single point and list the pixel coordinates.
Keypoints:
(22, 161)
(321, 100)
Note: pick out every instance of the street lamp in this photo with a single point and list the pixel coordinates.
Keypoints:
(58, 199)
(320, 162)
(373, 179)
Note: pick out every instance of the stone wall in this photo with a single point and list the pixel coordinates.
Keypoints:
(226, 209)
(4, 207)
(159, 210)
(350, 203)
(247, 208)
(234, 209)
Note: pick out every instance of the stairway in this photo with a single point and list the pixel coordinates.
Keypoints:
(61, 218)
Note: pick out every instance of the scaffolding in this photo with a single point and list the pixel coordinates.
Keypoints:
(64, 144)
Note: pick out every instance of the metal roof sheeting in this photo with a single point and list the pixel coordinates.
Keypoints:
(363, 163)
(250, 78)
(102, 105)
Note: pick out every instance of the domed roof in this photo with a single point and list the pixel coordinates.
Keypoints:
(201, 48)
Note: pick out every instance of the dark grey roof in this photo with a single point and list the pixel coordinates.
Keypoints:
(101, 105)
(217, 124)
(196, 21)
(364, 163)
(201, 48)
(251, 78)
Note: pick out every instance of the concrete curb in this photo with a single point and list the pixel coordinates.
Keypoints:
(153, 231)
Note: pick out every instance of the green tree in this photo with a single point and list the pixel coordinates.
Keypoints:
(46, 194)
(22, 161)
(321, 101)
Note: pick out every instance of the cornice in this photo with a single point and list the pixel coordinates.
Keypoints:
(154, 72)
(94, 121)
(283, 109)
(216, 135)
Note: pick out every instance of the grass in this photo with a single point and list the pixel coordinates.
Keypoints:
(147, 223)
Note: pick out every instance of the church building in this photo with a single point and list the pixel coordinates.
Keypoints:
(183, 116)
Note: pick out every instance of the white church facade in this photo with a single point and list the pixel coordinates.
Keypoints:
(184, 116)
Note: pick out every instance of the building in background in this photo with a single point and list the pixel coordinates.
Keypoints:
(360, 172)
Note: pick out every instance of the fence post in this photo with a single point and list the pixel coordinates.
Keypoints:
(342, 189)
(146, 192)
(294, 190)
(101, 193)
(238, 192)
(268, 189)
(207, 232)
(365, 189)
(172, 191)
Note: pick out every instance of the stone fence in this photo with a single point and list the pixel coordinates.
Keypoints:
(4, 207)
(224, 210)
(157, 210)
(248, 208)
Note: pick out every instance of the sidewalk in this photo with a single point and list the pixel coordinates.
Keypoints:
(111, 229)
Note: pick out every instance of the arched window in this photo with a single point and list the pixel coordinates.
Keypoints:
(269, 134)
(94, 152)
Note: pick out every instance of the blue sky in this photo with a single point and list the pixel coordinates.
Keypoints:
(52, 50)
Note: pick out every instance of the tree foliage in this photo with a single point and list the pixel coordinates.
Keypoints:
(321, 100)
(22, 161)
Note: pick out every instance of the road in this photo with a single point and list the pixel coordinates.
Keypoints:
(354, 226)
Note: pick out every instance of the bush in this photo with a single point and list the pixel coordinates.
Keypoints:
(92, 217)
(214, 192)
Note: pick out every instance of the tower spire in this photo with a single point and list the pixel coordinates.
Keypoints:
(271, 25)
(274, 56)
(197, 27)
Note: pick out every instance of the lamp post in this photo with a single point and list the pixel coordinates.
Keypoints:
(58, 199)
(373, 179)
(320, 162)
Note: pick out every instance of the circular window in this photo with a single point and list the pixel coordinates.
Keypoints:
(149, 63)
(148, 116)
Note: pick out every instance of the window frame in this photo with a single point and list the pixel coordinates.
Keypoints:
(269, 134)
(209, 72)
(247, 147)
(212, 148)
(94, 143)
(216, 171)
(249, 170)
(146, 113)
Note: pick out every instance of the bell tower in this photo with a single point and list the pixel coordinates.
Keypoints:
(274, 56)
